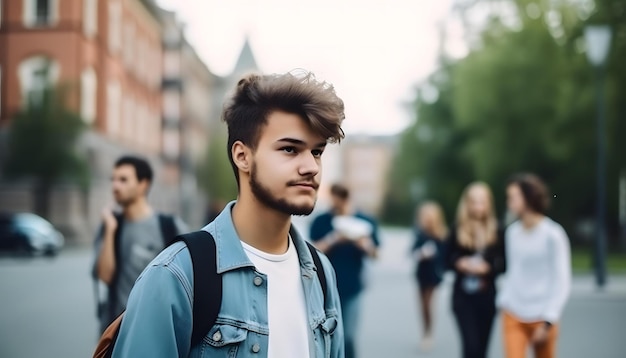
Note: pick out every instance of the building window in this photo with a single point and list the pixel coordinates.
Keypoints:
(115, 26)
(129, 45)
(171, 143)
(40, 12)
(36, 74)
(114, 107)
(88, 89)
(90, 17)
(171, 105)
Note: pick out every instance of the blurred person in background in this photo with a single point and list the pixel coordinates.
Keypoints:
(348, 237)
(129, 240)
(429, 251)
(537, 283)
(476, 254)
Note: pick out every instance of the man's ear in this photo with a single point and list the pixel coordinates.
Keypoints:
(242, 156)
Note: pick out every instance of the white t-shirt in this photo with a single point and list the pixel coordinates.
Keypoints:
(538, 272)
(286, 305)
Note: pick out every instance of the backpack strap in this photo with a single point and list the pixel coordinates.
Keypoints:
(319, 269)
(207, 283)
(168, 228)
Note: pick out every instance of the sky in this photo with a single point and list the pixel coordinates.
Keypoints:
(373, 52)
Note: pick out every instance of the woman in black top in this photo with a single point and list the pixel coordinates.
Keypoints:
(429, 250)
(476, 254)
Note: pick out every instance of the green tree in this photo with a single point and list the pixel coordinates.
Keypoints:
(215, 173)
(42, 144)
(522, 100)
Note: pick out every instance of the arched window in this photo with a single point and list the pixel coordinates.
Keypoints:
(88, 94)
(35, 74)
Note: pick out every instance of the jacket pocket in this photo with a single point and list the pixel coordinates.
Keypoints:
(323, 337)
(223, 340)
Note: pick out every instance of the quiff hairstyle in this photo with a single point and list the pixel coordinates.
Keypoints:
(534, 191)
(257, 96)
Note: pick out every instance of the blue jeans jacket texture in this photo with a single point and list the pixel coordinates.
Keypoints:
(158, 318)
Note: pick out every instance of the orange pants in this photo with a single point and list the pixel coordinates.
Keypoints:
(518, 336)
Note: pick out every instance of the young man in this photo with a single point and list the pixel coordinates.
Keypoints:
(124, 249)
(272, 300)
(538, 277)
(348, 237)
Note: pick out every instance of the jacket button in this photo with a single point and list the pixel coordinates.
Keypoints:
(258, 281)
(256, 348)
(217, 336)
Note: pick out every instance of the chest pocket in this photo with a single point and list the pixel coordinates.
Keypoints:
(223, 341)
(324, 332)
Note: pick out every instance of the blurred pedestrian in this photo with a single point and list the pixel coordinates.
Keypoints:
(127, 241)
(476, 255)
(537, 283)
(273, 300)
(348, 237)
(429, 251)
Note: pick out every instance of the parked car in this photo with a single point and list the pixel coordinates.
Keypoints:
(29, 233)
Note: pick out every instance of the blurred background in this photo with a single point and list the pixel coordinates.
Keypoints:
(438, 94)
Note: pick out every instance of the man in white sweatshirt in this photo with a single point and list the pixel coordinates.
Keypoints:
(538, 278)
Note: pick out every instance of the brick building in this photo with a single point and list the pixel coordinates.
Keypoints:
(110, 52)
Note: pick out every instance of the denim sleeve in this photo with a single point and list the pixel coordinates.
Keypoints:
(337, 342)
(158, 318)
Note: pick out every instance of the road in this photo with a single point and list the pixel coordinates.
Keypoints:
(48, 310)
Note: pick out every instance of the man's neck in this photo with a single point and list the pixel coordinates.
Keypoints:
(261, 227)
(530, 220)
(139, 209)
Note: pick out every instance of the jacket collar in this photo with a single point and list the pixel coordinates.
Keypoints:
(230, 252)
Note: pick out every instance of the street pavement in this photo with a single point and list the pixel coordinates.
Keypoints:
(47, 309)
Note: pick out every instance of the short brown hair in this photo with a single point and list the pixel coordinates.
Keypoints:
(340, 191)
(257, 96)
(534, 191)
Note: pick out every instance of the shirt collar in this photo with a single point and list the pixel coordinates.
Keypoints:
(230, 253)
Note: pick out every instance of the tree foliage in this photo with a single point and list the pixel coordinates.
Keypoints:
(215, 173)
(42, 145)
(521, 100)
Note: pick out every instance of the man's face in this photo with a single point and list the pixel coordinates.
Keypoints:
(339, 204)
(126, 188)
(515, 200)
(287, 165)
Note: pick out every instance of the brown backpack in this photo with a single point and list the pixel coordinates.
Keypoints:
(208, 296)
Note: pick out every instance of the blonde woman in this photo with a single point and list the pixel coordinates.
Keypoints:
(476, 255)
(429, 250)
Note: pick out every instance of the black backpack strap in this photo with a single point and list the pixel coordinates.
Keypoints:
(319, 268)
(207, 283)
(117, 251)
(168, 228)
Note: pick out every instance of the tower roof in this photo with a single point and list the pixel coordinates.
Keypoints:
(246, 61)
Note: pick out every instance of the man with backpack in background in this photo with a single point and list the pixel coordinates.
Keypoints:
(128, 241)
(348, 237)
(271, 294)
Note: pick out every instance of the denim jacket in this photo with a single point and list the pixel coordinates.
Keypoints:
(158, 318)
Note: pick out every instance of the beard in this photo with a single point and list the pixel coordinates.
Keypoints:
(265, 196)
